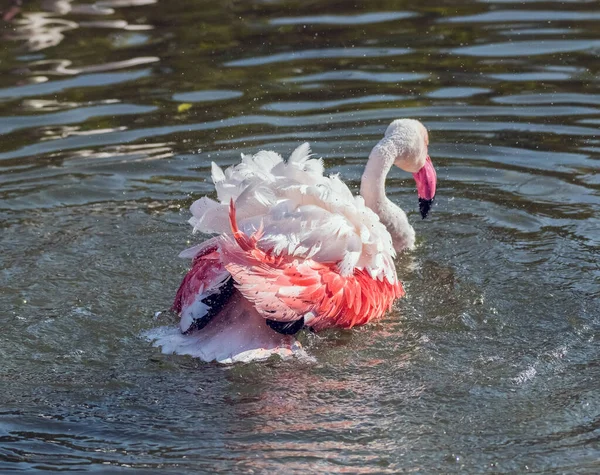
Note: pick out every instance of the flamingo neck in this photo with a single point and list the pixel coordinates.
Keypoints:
(372, 189)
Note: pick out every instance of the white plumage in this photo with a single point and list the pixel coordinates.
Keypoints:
(303, 213)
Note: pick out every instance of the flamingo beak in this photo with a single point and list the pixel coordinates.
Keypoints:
(426, 179)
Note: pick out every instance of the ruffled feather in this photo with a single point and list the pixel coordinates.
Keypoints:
(304, 213)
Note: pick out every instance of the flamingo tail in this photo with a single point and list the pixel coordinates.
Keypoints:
(237, 333)
(217, 323)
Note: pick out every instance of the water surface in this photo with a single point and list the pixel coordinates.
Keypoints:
(110, 114)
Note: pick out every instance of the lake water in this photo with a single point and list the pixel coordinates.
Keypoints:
(110, 113)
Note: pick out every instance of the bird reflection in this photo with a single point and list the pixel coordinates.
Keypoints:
(339, 410)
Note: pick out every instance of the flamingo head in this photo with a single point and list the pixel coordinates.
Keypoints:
(411, 141)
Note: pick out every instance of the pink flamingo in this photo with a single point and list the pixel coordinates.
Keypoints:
(295, 249)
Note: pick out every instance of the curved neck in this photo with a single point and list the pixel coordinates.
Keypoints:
(372, 189)
(372, 184)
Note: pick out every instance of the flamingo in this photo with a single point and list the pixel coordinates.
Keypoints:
(295, 249)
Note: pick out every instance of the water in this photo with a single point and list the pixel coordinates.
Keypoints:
(490, 364)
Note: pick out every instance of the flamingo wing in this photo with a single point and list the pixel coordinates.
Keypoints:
(283, 288)
(204, 290)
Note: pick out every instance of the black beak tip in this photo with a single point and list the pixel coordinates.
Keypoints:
(425, 206)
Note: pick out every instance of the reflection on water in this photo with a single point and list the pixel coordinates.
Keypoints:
(41, 30)
(488, 364)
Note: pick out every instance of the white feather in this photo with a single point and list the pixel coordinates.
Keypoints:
(304, 213)
(301, 154)
(217, 173)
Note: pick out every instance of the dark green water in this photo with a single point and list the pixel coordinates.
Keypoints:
(492, 361)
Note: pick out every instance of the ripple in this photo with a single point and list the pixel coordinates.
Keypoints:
(115, 24)
(333, 118)
(282, 106)
(549, 98)
(50, 105)
(533, 76)
(43, 30)
(85, 80)
(507, 16)
(348, 75)
(457, 92)
(119, 154)
(325, 53)
(40, 30)
(538, 32)
(522, 127)
(111, 173)
(363, 19)
(517, 156)
(530, 48)
(62, 67)
(207, 96)
(123, 40)
(73, 116)
(124, 3)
